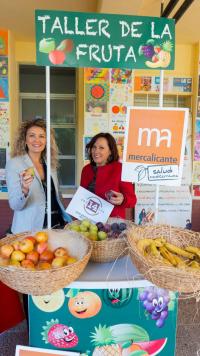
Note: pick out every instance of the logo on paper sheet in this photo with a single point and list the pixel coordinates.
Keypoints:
(92, 206)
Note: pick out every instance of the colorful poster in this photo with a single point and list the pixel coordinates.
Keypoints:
(3, 42)
(3, 66)
(96, 75)
(121, 76)
(174, 203)
(182, 85)
(4, 124)
(197, 129)
(114, 321)
(196, 172)
(97, 92)
(86, 140)
(142, 83)
(198, 107)
(95, 123)
(154, 146)
(3, 88)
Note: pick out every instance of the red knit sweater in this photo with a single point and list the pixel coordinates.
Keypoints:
(108, 177)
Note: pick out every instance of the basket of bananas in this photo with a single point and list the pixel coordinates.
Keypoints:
(167, 256)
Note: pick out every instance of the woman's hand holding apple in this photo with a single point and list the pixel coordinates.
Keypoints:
(26, 181)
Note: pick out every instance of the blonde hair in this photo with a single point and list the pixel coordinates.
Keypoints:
(20, 147)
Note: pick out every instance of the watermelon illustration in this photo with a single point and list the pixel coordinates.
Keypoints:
(152, 347)
(59, 335)
(117, 297)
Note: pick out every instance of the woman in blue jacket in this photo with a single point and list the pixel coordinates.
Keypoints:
(26, 180)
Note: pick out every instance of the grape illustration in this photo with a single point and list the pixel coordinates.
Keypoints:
(155, 301)
(148, 51)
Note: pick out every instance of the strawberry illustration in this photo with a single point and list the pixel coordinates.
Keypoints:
(59, 335)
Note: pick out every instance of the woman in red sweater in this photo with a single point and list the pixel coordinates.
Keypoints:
(102, 175)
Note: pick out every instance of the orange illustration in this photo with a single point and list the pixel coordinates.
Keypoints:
(85, 305)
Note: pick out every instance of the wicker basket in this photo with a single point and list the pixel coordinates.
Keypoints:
(173, 278)
(110, 249)
(42, 282)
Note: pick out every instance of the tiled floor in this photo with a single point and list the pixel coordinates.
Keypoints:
(188, 332)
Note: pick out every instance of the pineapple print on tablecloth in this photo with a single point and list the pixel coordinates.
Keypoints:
(104, 344)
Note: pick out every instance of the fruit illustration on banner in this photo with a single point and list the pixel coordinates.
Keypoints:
(158, 55)
(113, 339)
(84, 304)
(155, 301)
(51, 302)
(59, 335)
(117, 297)
(56, 55)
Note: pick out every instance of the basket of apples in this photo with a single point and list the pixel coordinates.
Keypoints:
(41, 263)
(108, 240)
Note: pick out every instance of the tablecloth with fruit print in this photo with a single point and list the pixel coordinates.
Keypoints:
(115, 321)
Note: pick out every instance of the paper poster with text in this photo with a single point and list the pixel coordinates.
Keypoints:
(87, 205)
(154, 145)
(36, 351)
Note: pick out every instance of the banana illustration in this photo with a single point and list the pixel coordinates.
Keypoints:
(167, 255)
(143, 244)
(178, 251)
(193, 249)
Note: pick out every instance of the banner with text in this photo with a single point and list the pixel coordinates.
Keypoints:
(74, 39)
(154, 146)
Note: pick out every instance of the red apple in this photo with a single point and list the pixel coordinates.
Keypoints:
(33, 256)
(26, 246)
(6, 250)
(27, 264)
(18, 256)
(41, 247)
(47, 256)
(32, 239)
(61, 251)
(41, 236)
(57, 57)
(16, 245)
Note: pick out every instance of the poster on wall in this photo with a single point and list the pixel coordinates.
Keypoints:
(3, 42)
(116, 320)
(174, 203)
(4, 124)
(154, 146)
(75, 39)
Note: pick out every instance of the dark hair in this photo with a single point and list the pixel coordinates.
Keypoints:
(114, 156)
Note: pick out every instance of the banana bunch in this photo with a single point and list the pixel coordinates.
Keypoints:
(170, 254)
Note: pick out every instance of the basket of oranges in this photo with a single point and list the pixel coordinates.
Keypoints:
(41, 263)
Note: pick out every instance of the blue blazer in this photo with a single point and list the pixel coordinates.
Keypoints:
(29, 211)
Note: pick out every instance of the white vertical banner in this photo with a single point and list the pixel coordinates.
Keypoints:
(48, 146)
